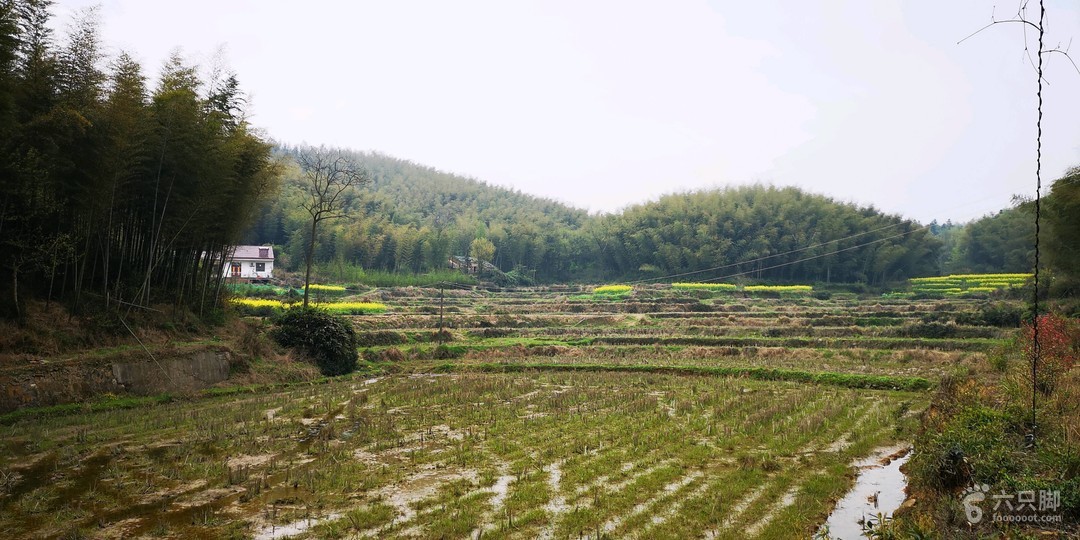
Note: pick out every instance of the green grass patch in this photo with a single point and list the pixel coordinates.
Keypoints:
(108, 403)
(846, 380)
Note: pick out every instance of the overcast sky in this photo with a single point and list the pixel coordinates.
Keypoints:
(606, 104)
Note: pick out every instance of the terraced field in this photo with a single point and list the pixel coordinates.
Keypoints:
(548, 414)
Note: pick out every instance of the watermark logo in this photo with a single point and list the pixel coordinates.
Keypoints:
(1022, 507)
(972, 497)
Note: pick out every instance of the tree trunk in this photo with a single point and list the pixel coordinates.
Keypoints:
(310, 254)
(15, 292)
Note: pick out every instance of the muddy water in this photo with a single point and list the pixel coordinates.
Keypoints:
(879, 489)
(292, 529)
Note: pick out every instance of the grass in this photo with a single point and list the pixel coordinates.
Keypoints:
(107, 403)
(847, 380)
(656, 416)
(643, 431)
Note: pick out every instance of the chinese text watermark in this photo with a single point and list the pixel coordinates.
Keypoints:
(1021, 507)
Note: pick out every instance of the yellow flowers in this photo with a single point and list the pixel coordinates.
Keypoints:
(352, 308)
(258, 302)
(612, 289)
(262, 306)
(730, 287)
(331, 288)
(779, 288)
(704, 286)
(961, 284)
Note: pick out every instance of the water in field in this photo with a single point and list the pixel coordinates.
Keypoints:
(879, 490)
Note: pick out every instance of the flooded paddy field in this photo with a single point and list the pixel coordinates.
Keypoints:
(547, 414)
(512, 455)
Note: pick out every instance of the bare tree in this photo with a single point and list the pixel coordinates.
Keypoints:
(328, 177)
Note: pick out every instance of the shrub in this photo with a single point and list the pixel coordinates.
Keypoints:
(328, 339)
(1003, 315)
(1059, 348)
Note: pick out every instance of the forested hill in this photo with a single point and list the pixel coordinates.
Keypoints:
(410, 218)
(763, 232)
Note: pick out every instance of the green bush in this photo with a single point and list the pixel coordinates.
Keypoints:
(1001, 314)
(328, 339)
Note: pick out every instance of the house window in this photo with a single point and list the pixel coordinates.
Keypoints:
(260, 267)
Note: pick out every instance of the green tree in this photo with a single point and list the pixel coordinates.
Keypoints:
(1002, 242)
(483, 250)
(1063, 232)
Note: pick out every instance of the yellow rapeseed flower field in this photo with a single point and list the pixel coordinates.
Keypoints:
(612, 289)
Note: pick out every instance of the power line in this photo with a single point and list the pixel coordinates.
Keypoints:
(781, 265)
(806, 248)
(645, 280)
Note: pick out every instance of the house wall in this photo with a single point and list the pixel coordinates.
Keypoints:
(247, 269)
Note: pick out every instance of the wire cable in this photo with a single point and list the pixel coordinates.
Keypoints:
(789, 263)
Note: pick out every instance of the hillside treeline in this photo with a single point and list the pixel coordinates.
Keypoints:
(1005, 241)
(115, 189)
(761, 232)
(412, 218)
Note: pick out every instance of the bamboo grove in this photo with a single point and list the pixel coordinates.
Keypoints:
(112, 190)
(412, 218)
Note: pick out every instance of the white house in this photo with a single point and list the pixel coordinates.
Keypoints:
(250, 263)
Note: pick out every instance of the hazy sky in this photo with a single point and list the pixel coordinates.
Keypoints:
(606, 104)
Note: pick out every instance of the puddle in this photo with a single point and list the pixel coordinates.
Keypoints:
(292, 529)
(557, 504)
(500, 489)
(879, 489)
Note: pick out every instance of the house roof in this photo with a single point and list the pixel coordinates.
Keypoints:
(254, 252)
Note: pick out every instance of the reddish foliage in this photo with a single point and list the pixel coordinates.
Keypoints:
(1059, 347)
